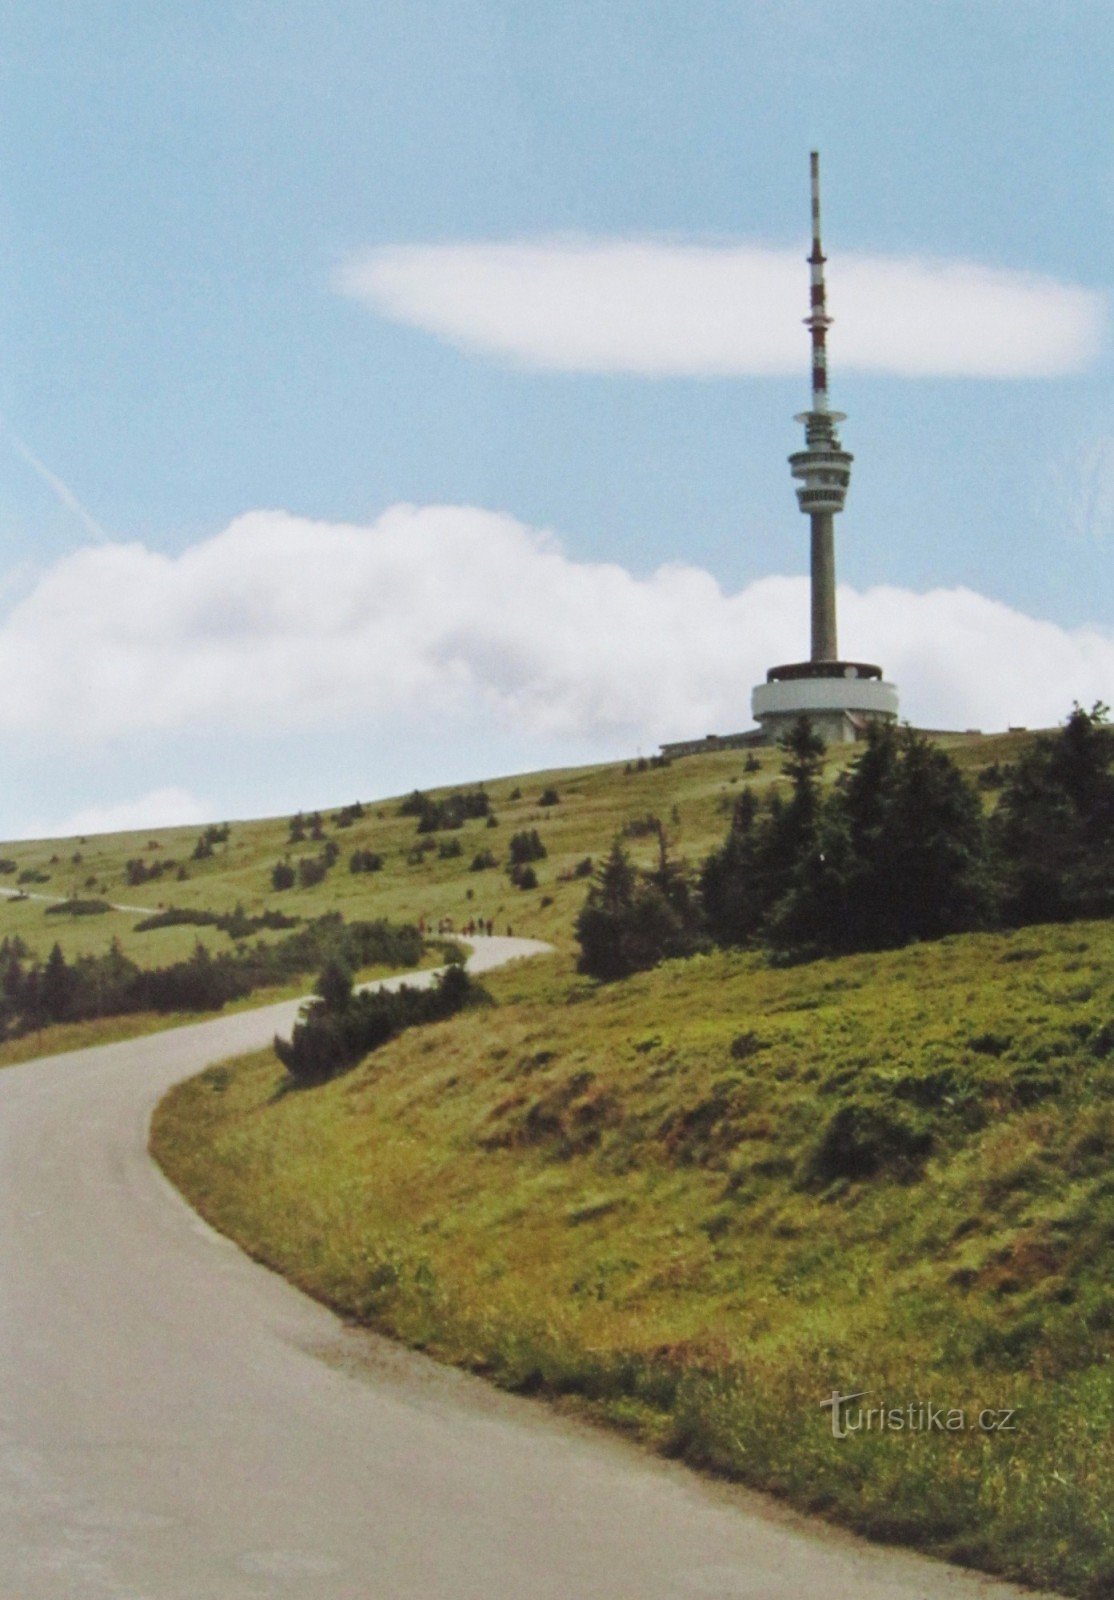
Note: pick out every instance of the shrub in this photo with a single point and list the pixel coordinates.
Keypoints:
(175, 917)
(641, 827)
(365, 861)
(213, 835)
(526, 846)
(483, 861)
(448, 848)
(450, 812)
(283, 876)
(311, 872)
(78, 908)
(861, 1139)
(340, 1027)
(549, 797)
(237, 924)
(524, 877)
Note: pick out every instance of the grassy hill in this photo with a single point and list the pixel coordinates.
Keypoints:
(693, 796)
(696, 1202)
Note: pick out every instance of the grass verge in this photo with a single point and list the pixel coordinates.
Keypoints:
(696, 1203)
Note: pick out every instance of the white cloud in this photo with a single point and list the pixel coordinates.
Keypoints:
(664, 308)
(279, 625)
(159, 808)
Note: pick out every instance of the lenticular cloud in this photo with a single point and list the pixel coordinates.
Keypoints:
(666, 308)
(278, 624)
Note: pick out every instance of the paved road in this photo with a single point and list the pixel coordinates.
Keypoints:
(177, 1423)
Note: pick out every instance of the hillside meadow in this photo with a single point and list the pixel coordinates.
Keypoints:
(693, 796)
(695, 1203)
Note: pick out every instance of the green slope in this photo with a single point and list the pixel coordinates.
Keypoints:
(696, 1202)
(699, 1201)
(693, 796)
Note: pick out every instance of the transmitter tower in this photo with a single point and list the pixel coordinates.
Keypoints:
(839, 697)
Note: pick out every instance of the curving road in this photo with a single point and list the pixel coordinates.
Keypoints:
(177, 1423)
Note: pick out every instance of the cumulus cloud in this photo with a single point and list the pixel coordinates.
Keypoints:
(158, 808)
(280, 625)
(664, 308)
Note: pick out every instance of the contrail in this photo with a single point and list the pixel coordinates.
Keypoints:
(62, 490)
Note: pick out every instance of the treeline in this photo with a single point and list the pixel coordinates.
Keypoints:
(899, 849)
(341, 1025)
(34, 994)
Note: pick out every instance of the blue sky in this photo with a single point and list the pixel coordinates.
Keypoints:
(182, 190)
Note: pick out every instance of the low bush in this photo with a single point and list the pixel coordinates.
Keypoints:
(365, 861)
(340, 1027)
(237, 924)
(526, 846)
(861, 1139)
(453, 811)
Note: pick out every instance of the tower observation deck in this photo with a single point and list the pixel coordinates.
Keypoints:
(840, 697)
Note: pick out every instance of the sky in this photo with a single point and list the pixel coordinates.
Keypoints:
(401, 394)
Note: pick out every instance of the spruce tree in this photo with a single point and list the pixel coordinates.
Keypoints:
(1053, 831)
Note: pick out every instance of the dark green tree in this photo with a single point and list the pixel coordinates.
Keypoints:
(334, 985)
(732, 880)
(632, 919)
(57, 990)
(1053, 830)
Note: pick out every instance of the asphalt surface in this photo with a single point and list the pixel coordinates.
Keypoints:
(178, 1423)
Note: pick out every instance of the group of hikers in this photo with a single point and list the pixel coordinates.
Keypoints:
(469, 930)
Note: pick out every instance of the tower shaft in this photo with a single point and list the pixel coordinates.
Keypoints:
(823, 565)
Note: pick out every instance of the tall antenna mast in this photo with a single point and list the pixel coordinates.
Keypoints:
(823, 466)
(818, 320)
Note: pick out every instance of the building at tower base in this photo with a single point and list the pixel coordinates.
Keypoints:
(838, 697)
